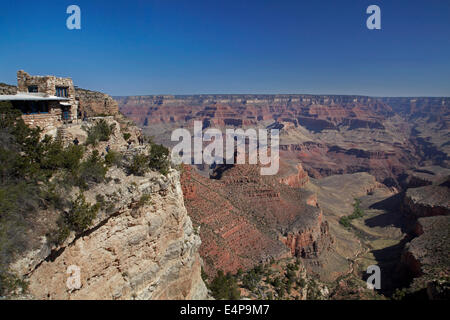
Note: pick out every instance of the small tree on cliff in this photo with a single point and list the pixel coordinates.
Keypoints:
(224, 287)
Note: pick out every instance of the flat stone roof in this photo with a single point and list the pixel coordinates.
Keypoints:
(22, 96)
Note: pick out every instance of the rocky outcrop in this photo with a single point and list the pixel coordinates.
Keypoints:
(7, 89)
(427, 201)
(95, 103)
(246, 218)
(138, 252)
(297, 180)
(309, 241)
(424, 176)
(427, 256)
(141, 245)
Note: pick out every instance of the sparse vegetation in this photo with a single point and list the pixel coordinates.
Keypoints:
(357, 213)
(37, 174)
(113, 158)
(157, 159)
(91, 171)
(81, 215)
(126, 136)
(101, 131)
(252, 278)
(138, 165)
(145, 199)
(224, 287)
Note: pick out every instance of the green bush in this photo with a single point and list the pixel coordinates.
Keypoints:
(145, 199)
(224, 287)
(159, 158)
(357, 213)
(9, 283)
(101, 131)
(27, 164)
(138, 165)
(126, 136)
(204, 275)
(91, 171)
(81, 215)
(252, 278)
(113, 158)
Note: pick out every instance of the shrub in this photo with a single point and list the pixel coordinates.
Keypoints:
(27, 164)
(224, 287)
(113, 158)
(301, 282)
(126, 135)
(101, 131)
(9, 283)
(290, 274)
(145, 199)
(81, 215)
(357, 213)
(93, 170)
(138, 165)
(252, 278)
(204, 275)
(345, 221)
(159, 158)
(399, 294)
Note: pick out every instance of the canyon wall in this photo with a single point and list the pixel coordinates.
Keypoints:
(95, 103)
(246, 219)
(314, 112)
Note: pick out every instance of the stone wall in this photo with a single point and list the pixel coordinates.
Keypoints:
(47, 85)
(48, 122)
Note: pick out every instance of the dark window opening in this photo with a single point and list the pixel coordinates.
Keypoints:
(31, 107)
(62, 92)
(32, 88)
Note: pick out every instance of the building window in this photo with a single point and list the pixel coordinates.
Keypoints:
(62, 92)
(32, 88)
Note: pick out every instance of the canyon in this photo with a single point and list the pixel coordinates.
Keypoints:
(387, 152)
(159, 236)
(327, 134)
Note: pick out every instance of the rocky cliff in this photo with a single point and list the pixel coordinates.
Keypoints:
(427, 256)
(95, 103)
(246, 219)
(7, 89)
(141, 244)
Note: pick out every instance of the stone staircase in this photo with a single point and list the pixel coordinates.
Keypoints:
(64, 135)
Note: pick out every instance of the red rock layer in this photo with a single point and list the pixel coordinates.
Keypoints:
(314, 112)
(244, 218)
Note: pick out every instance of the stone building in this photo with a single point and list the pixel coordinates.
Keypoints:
(47, 102)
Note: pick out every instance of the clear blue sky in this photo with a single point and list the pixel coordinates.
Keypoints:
(226, 46)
